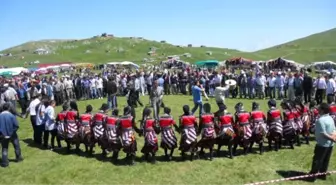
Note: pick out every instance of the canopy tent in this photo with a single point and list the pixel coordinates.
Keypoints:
(281, 63)
(207, 63)
(14, 71)
(6, 73)
(125, 63)
(239, 62)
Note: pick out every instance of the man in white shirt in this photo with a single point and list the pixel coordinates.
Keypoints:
(220, 93)
(290, 86)
(271, 84)
(32, 111)
(93, 88)
(69, 88)
(50, 126)
(321, 87)
(99, 83)
(331, 88)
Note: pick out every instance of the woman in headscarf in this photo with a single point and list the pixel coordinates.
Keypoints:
(207, 129)
(127, 129)
(148, 130)
(188, 125)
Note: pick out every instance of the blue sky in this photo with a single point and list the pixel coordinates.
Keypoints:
(245, 25)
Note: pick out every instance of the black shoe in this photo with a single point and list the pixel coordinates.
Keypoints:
(4, 165)
(19, 159)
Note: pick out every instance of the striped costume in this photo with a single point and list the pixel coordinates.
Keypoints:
(61, 130)
(85, 127)
(189, 136)
(128, 134)
(298, 120)
(314, 115)
(243, 125)
(208, 131)
(225, 122)
(274, 121)
(305, 121)
(258, 122)
(168, 137)
(98, 127)
(151, 140)
(111, 133)
(289, 125)
(71, 124)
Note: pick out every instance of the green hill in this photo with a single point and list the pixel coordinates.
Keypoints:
(316, 47)
(108, 49)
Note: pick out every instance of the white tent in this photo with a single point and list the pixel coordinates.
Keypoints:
(129, 64)
(125, 63)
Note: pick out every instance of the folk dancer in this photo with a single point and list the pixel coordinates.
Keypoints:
(98, 127)
(61, 129)
(111, 138)
(85, 134)
(274, 122)
(168, 137)
(314, 115)
(148, 130)
(207, 130)
(71, 125)
(289, 126)
(243, 128)
(225, 131)
(305, 119)
(258, 121)
(127, 129)
(188, 125)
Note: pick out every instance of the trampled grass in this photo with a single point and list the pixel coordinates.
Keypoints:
(57, 167)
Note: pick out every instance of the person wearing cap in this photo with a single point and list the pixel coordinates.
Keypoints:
(8, 128)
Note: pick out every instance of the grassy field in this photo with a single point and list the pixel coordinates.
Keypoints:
(56, 167)
(317, 47)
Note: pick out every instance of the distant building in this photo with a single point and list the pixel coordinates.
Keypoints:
(41, 51)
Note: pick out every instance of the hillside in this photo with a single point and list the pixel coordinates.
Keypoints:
(108, 49)
(316, 47)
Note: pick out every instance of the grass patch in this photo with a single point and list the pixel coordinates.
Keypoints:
(49, 167)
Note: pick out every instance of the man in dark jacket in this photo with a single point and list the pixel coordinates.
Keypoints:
(111, 90)
(307, 85)
(8, 127)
